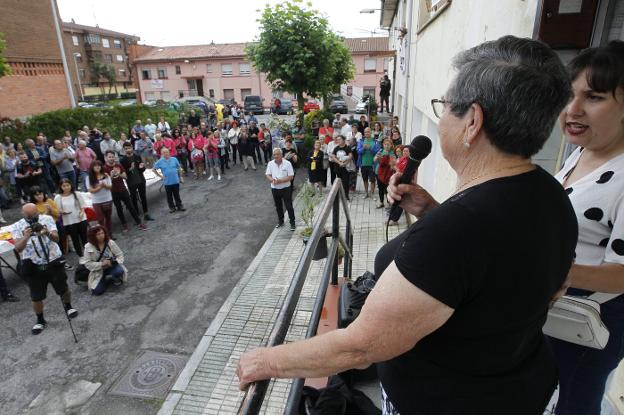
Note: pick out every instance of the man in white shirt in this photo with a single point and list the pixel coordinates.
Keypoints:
(280, 173)
(36, 240)
(150, 129)
(345, 128)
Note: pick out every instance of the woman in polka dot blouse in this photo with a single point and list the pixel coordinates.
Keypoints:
(593, 177)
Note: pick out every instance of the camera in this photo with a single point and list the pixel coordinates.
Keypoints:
(35, 226)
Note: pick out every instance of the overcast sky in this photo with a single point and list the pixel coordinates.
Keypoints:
(186, 22)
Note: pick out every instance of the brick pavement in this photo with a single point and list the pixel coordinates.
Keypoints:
(208, 384)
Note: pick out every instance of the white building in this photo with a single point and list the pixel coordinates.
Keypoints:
(427, 34)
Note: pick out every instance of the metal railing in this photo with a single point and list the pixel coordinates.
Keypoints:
(256, 392)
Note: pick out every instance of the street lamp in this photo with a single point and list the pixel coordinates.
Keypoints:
(369, 11)
(78, 76)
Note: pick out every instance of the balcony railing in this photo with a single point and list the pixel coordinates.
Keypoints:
(334, 201)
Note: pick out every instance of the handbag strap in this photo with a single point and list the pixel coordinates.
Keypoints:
(602, 298)
(102, 253)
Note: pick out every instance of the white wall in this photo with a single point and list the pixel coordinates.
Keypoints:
(462, 25)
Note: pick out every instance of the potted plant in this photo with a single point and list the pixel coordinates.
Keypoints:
(310, 198)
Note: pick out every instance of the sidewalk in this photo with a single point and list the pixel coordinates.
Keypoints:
(208, 384)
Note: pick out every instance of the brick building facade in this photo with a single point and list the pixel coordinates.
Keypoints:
(85, 45)
(38, 82)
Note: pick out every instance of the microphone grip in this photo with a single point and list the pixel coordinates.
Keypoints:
(406, 178)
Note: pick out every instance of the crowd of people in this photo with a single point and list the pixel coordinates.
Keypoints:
(71, 184)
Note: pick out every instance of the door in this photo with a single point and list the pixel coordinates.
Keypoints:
(568, 24)
(200, 87)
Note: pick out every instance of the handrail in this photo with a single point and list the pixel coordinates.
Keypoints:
(256, 392)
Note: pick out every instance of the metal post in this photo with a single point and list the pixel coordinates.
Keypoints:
(347, 264)
(78, 77)
(335, 234)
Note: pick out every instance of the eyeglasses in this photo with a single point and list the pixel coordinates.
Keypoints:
(438, 106)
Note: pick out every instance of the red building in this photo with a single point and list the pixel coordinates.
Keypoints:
(38, 82)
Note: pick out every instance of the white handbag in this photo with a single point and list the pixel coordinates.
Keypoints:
(577, 320)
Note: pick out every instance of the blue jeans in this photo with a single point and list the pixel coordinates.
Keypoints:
(110, 275)
(583, 371)
(82, 180)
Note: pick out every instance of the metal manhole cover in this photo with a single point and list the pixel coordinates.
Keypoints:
(151, 375)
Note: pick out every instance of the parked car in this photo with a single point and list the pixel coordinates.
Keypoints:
(362, 106)
(310, 105)
(128, 103)
(338, 104)
(286, 107)
(150, 103)
(253, 104)
(226, 102)
(86, 105)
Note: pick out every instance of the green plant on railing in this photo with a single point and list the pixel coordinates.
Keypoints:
(309, 199)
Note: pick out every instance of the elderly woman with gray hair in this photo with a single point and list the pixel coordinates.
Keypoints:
(454, 323)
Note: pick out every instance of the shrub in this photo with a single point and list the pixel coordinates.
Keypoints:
(54, 123)
(318, 116)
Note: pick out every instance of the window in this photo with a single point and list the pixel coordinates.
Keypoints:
(178, 70)
(119, 58)
(209, 67)
(108, 58)
(370, 65)
(386, 63)
(165, 95)
(82, 73)
(244, 68)
(150, 96)
(228, 94)
(226, 69)
(117, 44)
(146, 74)
(368, 90)
(105, 43)
(78, 57)
(211, 93)
(162, 73)
(92, 38)
(429, 10)
(245, 92)
(75, 40)
(122, 72)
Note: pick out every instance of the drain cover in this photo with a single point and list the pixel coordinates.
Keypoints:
(150, 376)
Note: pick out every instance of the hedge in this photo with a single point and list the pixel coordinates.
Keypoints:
(54, 123)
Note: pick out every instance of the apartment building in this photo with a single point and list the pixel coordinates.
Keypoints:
(222, 71)
(38, 82)
(86, 45)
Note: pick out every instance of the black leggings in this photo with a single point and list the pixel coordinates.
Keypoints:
(343, 175)
(141, 191)
(118, 198)
(383, 190)
(78, 234)
(234, 151)
(183, 159)
(267, 149)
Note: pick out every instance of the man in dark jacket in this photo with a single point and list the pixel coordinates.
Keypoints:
(384, 92)
(135, 179)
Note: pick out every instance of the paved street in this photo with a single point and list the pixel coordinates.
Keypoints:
(180, 272)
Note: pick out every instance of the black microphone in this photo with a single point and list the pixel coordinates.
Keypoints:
(419, 149)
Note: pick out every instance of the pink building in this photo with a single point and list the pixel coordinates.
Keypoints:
(221, 71)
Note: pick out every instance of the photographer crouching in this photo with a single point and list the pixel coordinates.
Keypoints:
(36, 240)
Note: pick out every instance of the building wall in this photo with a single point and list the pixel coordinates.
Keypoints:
(215, 80)
(38, 83)
(459, 27)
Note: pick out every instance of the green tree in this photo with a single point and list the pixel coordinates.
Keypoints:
(5, 69)
(98, 71)
(299, 53)
(111, 76)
